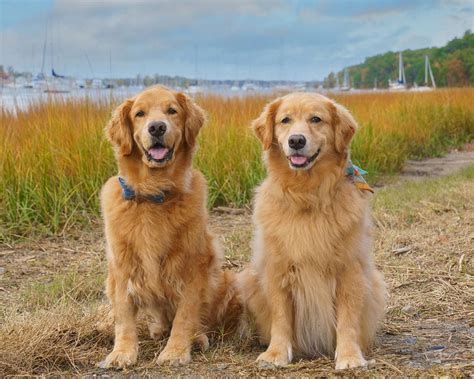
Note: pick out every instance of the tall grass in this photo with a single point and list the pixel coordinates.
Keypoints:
(54, 157)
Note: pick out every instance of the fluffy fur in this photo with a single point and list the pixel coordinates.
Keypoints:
(162, 258)
(311, 286)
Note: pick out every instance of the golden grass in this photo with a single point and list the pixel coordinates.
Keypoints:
(425, 333)
(55, 158)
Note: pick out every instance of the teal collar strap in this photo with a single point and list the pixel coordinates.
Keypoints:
(355, 174)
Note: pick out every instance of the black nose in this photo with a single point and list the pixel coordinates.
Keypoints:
(157, 128)
(297, 141)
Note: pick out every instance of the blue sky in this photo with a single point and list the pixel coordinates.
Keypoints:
(219, 39)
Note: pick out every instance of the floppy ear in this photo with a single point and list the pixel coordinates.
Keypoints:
(344, 127)
(264, 124)
(195, 118)
(119, 129)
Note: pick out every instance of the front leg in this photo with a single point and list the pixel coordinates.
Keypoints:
(350, 294)
(125, 349)
(279, 351)
(186, 324)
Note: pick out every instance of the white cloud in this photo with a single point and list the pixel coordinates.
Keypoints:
(215, 38)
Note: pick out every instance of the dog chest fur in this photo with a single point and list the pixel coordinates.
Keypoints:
(309, 250)
(147, 248)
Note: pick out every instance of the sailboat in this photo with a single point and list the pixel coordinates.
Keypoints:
(58, 83)
(39, 80)
(345, 84)
(55, 75)
(428, 75)
(375, 84)
(401, 83)
(337, 86)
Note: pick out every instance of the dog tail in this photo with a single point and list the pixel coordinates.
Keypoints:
(226, 310)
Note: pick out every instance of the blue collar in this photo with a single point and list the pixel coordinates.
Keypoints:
(129, 194)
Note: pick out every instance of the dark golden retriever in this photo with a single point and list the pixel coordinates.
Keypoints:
(161, 257)
(312, 286)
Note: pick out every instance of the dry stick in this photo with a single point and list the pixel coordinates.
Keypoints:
(391, 366)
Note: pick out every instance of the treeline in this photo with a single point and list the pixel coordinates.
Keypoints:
(452, 65)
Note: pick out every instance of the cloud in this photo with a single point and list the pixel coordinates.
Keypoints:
(224, 39)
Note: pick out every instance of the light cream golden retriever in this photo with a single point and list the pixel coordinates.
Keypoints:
(161, 257)
(312, 286)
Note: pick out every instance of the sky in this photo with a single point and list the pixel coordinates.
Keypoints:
(219, 39)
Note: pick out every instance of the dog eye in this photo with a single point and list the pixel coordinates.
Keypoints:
(172, 111)
(315, 119)
(286, 120)
(140, 114)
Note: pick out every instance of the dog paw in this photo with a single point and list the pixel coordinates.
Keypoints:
(273, 358)
(119, 359)
(174, 356)
(350, 361)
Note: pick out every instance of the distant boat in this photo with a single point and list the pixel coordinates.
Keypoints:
(401, 83)
(192, 90)
(249, 87)
(346, 83)
(80, 83)
(39, 81)
(56, 75)
(97, 84)
(428, 75)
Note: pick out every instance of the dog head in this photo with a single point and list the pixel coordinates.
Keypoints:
(155, 125)
(305, 127)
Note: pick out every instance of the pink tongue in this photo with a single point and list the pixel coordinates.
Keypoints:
(158, 153)
(298, 159)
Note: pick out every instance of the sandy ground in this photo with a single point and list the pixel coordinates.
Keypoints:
(436, 167)
(429, 328)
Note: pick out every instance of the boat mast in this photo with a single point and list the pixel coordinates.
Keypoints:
(426, 70)
(346, 78)
(430, 71)
(400, 68)
(44, 48)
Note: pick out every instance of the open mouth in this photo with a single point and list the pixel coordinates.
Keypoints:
(301, 161)
(159, 153)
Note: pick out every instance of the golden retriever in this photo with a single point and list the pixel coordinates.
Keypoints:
(311, 286)
(161, 257)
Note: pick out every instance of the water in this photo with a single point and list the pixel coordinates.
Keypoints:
(13, 99)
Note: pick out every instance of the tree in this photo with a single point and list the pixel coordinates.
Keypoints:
(452, 64)
(456, 75)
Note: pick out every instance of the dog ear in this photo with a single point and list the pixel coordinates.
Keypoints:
(195, 118)
(344, 127)
(264, 124)
(119, 129)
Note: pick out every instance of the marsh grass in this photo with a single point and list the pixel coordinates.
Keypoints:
(68, 288)
(55, 157)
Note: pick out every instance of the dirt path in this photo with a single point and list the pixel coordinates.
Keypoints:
(435, 167)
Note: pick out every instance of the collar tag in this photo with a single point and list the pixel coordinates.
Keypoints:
(355, 174)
